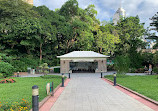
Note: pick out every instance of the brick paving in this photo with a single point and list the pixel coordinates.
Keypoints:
(49, 103)
(88, 92)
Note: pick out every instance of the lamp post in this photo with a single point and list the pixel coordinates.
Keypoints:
(35, 93)
(52, 89)
(62, 80)
(18, 74)
(69, 73)
(101, 74)
(114, 79)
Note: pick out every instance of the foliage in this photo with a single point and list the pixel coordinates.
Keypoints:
(145, 85)
(51, 76)
(110, 67)
(28, 32)
(147, 58)
(24, 105)
(155, 59)
(30, 62)
(122, 64)
(6, 69)
(155, 69)
(130, 31)
(1, 75)
(44, 68)
(136, 59)
(19, 65)
(155, 25)
(106, 41)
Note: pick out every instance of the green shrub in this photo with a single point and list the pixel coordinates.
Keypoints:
(6, 58)
(1, 75)
(155, 59)
(50, 76)
(135, 59)
(31, 62)
(19, 65)
(122, 64)
(6, 69)
(155, 69)
(44, 68)
(110, 67)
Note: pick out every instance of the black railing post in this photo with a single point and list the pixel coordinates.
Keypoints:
(52, 89)
(69, 75)
(18, 74)
(101, 75)
(35, 95)
(114, 79)
(62, 80)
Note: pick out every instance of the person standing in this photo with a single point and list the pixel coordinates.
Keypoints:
(150, 69)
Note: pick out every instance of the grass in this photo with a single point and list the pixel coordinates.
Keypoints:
(145, 85)
(15, 92)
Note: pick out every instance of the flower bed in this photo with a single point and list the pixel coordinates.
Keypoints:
(7, 81)
(24, 105)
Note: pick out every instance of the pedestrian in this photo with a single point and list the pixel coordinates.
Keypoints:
(150, 69)
(145, 68)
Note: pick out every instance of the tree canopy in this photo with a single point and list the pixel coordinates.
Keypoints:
(38, 32)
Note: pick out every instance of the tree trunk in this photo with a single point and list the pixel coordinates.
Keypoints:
(100, 50)
(28, 51)
(41, 52)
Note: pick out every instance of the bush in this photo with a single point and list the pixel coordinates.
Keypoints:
(147, 58)
(155, 69)
(136, 59)
(31, 62)
(50, 76)
(1, 75)
(122, 64)
(110, 67)
(6, 69)
(155, 59)
(19, 66)
(44, 68)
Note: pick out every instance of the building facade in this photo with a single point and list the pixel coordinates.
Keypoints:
(120, 13)
(29, 1)
(83, 61)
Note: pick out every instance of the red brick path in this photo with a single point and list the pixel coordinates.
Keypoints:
(50, 102)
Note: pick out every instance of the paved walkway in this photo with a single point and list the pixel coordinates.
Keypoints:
(88, 92)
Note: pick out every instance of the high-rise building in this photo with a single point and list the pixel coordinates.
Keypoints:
(118, 14)
(29, 1)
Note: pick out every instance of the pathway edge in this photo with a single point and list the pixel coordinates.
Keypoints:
(136, 93)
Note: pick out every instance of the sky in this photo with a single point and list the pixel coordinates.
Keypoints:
(145, 9)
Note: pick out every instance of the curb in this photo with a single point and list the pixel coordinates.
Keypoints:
(47, 97)
(140, 95)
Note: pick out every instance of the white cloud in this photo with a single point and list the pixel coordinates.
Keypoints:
(106, 8)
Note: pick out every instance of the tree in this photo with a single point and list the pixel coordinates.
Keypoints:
(130, 31)
(47, 31)
(154, 22)
(106, 42)
(11, 26)
(69, 9)
(122, 64)
(155, 25)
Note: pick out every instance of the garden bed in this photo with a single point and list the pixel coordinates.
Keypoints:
(145, 85)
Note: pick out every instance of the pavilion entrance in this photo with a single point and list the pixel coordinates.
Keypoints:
(83, 67)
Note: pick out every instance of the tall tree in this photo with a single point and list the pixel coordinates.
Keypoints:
(16, 23)
(47, 30)
(130, 31)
